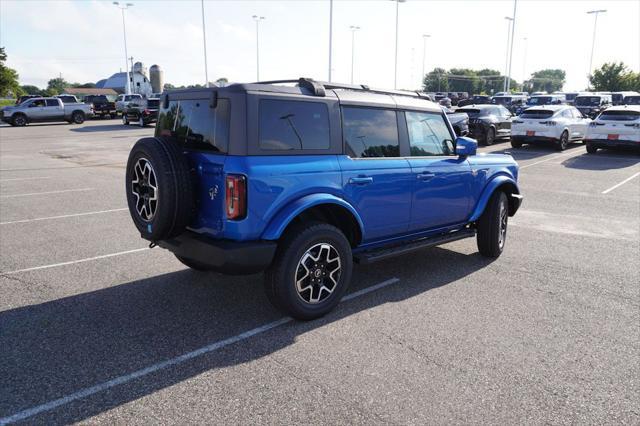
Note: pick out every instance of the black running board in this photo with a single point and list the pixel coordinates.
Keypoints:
(387, 252)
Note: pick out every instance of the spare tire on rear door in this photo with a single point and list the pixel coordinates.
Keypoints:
(159, 188)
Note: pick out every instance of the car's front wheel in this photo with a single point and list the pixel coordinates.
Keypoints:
(311, 271)
(492, 226)
(19, 120)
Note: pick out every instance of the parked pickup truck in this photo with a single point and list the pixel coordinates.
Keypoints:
(45, 109)
(101, 105)
(303, 181)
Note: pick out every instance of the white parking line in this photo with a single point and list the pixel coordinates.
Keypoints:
(46, 193)
(28, 178)
(543, 161)
(62, 216)
(88, 259)
(606, 191)
(83, 393)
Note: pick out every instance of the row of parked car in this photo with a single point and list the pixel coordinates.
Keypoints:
(134, 108)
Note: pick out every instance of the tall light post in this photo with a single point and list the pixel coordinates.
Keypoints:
(204, 41)
(506, 60)
(353, 29)
(513, 30)
(330, 35)
(395, 66)
(424, 54)
(593, 42)
(122, 8)
(524, 61)
(258, 19)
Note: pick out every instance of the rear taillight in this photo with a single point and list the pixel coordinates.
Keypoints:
(145, 112)
(236, 196)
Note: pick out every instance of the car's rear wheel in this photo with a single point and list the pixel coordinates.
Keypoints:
(77, 117)
(141, 122)
(490, 137)
(516, 144)
(194, 264)
(125, 121)
(311, 271)
(19, 120)
(159, 189)
(563, 142)
(492, 226)
(591, 149)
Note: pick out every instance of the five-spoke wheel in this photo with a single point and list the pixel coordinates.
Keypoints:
(144, 187)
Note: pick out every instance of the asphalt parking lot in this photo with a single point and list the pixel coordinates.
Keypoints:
(97, 328)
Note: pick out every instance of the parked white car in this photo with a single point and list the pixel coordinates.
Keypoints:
(123, 100)
(559, 124)
(617, 126)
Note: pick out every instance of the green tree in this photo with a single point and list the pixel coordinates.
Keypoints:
(9, 85)
(547, 80)
(57, 85)
(436, 81)
(613, 77)
(28, 89)
(84, 85)
(491, 81)
(463, 80)
(222, 81)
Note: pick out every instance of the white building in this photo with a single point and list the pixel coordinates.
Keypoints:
(139, 79)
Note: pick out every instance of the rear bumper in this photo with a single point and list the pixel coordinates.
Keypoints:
(532, 139)
(604, 143)
(225, 256)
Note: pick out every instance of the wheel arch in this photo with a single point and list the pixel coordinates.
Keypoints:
(499, 183)
(317, 207)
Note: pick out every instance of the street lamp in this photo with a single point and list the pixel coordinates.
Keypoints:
(395, 67)
(506, 60)
(353, 29)
(204, 40)
(513, 29)
(330, 35)
(122, 8)
(424, 54)
(524, 61)
(593, 42)
(258, 19)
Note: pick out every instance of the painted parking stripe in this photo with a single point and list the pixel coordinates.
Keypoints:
(27, 178)
(46, 193)
(72, 262)
(37, 219)
(606, 191)
(213, 347)
(544, 161)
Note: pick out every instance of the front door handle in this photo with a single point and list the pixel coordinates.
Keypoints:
(426, 176)
(361, 180)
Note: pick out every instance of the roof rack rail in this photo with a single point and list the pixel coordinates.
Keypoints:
(318, 88)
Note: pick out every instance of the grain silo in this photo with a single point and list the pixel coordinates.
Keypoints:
(156, 75)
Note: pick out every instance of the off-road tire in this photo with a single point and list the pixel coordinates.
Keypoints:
(489, 228)
(19, 120)
(175, 199)
(280, 277)
(194, 264)
(490, 137)
(77, 117)
(591, 149)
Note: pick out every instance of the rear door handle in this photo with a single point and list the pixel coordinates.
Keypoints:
(361, 180)
(426, 176)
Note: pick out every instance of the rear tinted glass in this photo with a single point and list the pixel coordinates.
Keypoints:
(370, 132)
(193, 124)
(620, 115)
(587, 100)
(153, 103)
(291, 125)
(536, 113)
(632, 100)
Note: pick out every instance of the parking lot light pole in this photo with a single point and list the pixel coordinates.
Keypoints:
(593, 41)
(330, 36)
(204, 40)
(506, 60)
(524, 61)
(258, 19)
(122, 8)
(395, 66)
(513, 30)
(353, 29)
(424, 55)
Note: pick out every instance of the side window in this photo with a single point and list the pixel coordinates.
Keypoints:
(428, 134)
(195, 125)
(37, 103)
(370, 132)
(567, 113)
(52, 103)
(293, 125)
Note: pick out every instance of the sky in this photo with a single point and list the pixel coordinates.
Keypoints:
(83, 40)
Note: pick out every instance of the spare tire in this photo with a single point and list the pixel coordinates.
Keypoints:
(159, 188)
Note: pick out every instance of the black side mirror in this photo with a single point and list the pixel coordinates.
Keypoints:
(165, 101)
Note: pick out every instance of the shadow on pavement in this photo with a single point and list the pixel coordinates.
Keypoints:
(529, 152)
(603, 160)
(56, 348)
(108, 127)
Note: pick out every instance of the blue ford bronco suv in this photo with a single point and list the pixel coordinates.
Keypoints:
(302, 180)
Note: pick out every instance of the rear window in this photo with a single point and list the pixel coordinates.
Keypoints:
(540, 100)
(194, 125)
(471, 112)
(370, 132)
(587, 100)
(620, 115)
(632, 100)
(293, 125)
(153, 103)
(539, 113)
